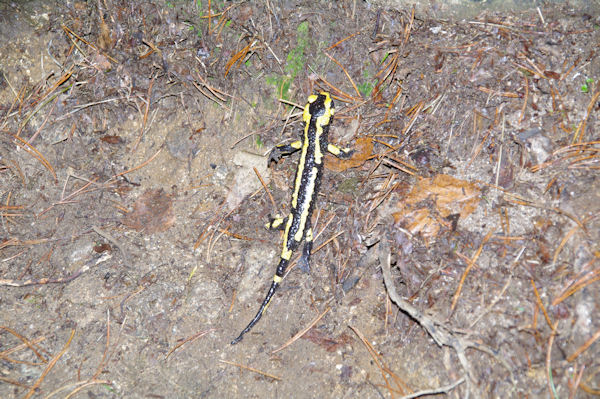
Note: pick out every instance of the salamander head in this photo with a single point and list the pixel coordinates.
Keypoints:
(319, 107)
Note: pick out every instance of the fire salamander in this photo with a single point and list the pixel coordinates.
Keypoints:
(317, 117)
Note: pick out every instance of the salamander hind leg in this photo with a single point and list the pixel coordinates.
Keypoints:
(304, 262)
(277, 223)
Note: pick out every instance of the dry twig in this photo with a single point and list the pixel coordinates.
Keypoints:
(439, 331)
(302, 332)
(251, 369)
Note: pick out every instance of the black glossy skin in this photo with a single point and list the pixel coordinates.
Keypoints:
(317, 116)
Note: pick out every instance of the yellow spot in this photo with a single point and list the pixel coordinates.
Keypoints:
(296, 144)
(286, 253)
(277, 279)
(298, 235)
(312, 98)
(327, 103)
(276, 222)
(335, 150)
(323, 120)
(266, 306)
(309, 235)
(306, 114)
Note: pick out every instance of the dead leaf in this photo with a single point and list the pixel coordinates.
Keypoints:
(105, 41)
(450, 196)
(419, 221)
(102, 248)
(111, 139)
(327, 343)
(152, 212)
(101, 62)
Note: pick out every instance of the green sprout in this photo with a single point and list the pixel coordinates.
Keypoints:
(585, 88)
(367, 86)
(385, 57)
(296, 60)
(258, 142)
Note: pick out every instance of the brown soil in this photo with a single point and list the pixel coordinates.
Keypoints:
(132, 243)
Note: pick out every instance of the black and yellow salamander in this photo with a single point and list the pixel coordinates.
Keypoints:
(317, 117)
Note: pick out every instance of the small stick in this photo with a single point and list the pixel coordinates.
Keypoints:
(584, 347)
(26, 343)
(587, 279)
(87, 105)
(435, 391)
(328, 240)
(34, 152)
(215, 92)
(145, 120)
(563, 242)
(44, 122)
(251, 369)
(42, 281)
(302, 332)
(342, 40)
(265, 187)
(14, 382)
(100, 366)
(551, 386)
(137, 167)
(189, 339)
(577, 381)
(541, 305)
(234, 235)
(502, 291)
(578, 136)
(468, 269)
(86, 384)
(347, 75)
(383, 368)
(262, 129)
(524, 100)
(51, 364)
(70, 32)
(115, 242)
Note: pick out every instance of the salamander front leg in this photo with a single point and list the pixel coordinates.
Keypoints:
(283, 149)
(342, 153)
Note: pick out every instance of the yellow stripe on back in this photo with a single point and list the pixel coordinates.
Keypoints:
(286, 253)
(302, 161)
(298, 225)
(310, 191)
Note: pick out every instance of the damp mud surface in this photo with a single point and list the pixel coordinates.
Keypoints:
(135, 189)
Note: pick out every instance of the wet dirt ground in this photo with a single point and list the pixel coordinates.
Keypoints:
(133, 141)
